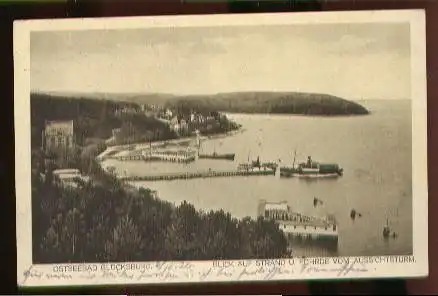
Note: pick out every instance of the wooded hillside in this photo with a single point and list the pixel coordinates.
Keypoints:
(93, 118)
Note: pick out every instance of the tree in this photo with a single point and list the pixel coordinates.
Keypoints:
(37, 160)
(63, 239)
(261, 239)
(221, 236)
(152, 217)
(125, 243)
(105, 220)
(183, 241)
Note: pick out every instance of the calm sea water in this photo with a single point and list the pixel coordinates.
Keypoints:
(374, 150)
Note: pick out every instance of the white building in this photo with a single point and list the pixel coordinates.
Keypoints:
(168, 113)
(68, 177)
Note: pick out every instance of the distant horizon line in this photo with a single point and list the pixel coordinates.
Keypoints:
(67, 92)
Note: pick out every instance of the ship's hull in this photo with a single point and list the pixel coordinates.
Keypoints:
(315, 176)
(310, 173)
(217, 156)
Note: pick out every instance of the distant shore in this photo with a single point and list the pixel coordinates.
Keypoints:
(295, 114)
(269, 102)
(257, 102)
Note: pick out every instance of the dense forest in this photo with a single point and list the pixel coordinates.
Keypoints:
(261, 102)
(104, 220)
(94, 118)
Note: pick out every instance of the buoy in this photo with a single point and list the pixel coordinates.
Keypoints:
(353, 214)
(386, 232)
(317, 201)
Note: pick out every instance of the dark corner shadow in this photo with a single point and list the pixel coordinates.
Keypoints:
(242, 6)
(362, 287)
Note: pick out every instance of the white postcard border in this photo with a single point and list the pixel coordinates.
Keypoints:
(209, 271)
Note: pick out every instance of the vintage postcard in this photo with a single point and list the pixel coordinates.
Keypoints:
(221, 148)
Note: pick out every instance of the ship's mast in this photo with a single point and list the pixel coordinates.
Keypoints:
(295, 155)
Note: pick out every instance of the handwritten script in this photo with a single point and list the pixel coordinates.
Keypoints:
(161, 272)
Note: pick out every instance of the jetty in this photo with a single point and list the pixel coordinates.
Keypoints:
(198, 175)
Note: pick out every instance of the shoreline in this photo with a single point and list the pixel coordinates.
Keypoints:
(158, 143)
(297, 114)
(221, 135)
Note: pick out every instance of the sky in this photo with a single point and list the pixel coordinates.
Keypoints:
(353, 61)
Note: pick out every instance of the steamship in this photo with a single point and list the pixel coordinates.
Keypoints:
(312, 169)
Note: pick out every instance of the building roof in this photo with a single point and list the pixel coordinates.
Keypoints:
(68, 176)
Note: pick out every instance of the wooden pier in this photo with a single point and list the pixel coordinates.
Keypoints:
(128, 157)
(180, 157)
(198, 175)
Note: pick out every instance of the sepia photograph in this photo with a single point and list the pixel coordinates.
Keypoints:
(211, 140)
